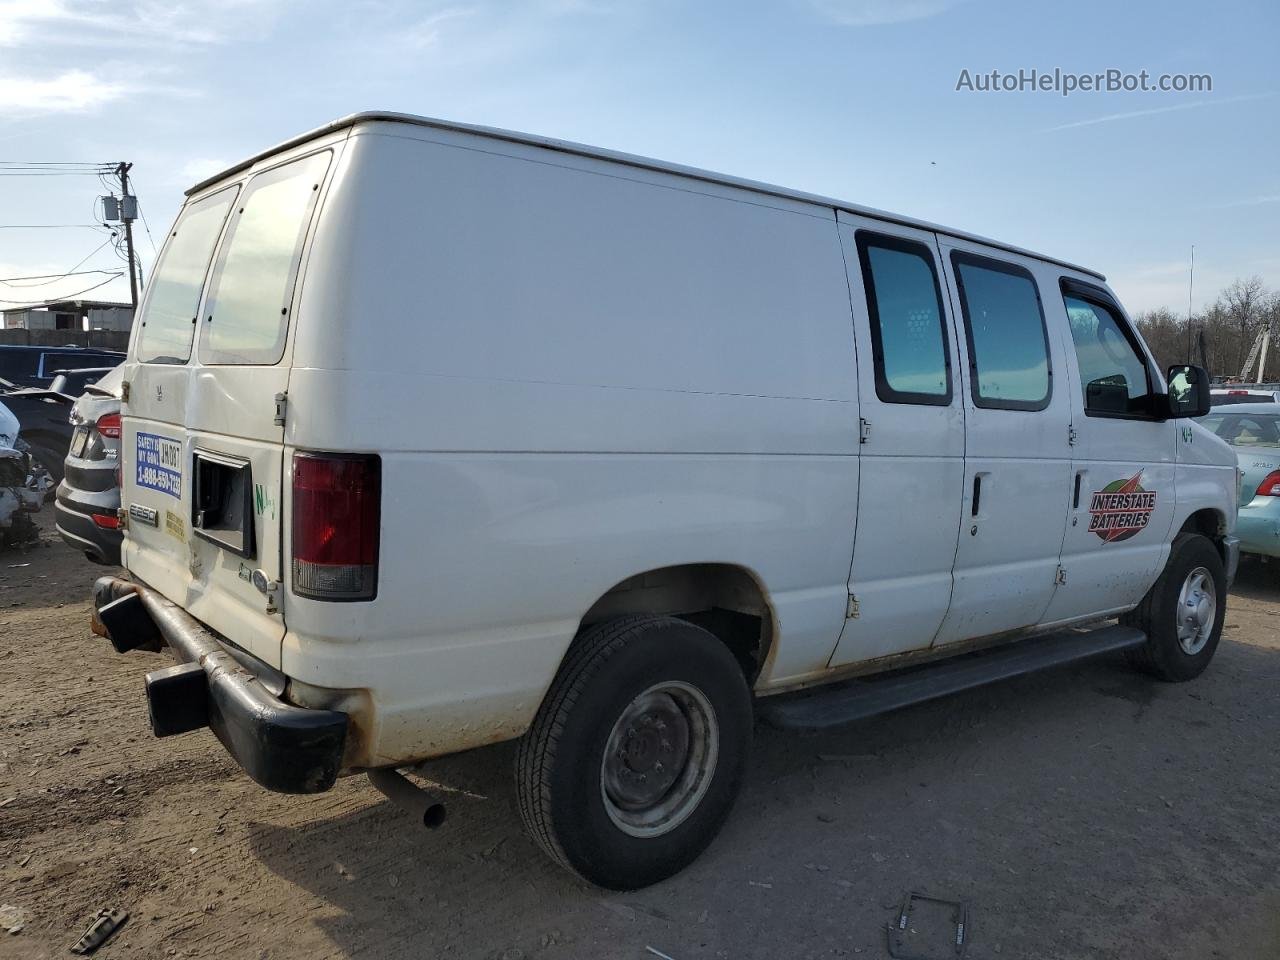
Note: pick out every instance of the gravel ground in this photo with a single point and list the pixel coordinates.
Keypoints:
(1083, 812)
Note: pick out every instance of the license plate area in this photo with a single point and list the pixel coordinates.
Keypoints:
(222, 502)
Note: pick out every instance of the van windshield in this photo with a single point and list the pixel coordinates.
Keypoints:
(252, 285)
(168, 319)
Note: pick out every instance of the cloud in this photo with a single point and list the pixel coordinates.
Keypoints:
(426, 32)
(37, 35)
(1250, 202)
(70, 92)
(1149, 286)
(202, 168)
(870, 13)
(1192, 105)
(140, 24)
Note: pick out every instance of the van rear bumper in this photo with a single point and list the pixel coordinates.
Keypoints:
(284, 748)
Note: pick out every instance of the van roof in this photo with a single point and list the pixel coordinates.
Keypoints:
(647, 163)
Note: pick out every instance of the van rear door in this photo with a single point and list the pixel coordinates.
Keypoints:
(203, 445)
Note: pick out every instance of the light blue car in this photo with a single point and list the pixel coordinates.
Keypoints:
(1253, 430)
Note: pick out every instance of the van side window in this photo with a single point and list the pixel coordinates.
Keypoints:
(251, 290)
(169, 316)
(908, 327)
(1004, 325)
(1113, 374)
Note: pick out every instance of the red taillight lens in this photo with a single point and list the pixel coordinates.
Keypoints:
(1270, 485)
(109, 425)
(108, 521)
(337, 508)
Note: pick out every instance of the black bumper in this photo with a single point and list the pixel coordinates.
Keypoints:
(284, 748)
(74, 522)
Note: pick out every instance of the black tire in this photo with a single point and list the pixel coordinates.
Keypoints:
(1163, 655)
(560, 775)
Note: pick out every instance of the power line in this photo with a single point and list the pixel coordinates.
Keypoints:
(50, 226)
(150, 239)
(91, 253)
(69, 296)
(54, 163)
(19, 172)
(61, 276)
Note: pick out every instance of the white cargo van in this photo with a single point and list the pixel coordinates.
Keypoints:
(437, 436)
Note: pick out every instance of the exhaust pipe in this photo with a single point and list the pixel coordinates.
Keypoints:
(409, 797)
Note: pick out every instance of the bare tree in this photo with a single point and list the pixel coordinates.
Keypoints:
(1244, 305)
(1165, 333)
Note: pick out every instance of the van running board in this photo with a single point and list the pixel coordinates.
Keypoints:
(852, 700)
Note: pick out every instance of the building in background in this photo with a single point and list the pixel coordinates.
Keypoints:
(70, 315)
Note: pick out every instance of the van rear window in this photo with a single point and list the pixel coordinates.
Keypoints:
(908, 331)
(251, 290)
(169, 314)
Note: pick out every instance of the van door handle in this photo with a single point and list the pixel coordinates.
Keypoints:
(1075, 499)
(977, 494)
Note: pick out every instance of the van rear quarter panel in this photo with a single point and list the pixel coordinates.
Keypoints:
(574, 372)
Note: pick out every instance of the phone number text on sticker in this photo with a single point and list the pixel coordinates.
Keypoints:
(160, 464)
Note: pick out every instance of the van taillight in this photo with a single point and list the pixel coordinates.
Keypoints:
(336, 513)
(109, 425)
(1270, 485)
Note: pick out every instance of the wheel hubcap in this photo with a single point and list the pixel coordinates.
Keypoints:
(1197, 611)
(659, 759)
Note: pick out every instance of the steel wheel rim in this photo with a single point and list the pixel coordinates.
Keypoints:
(1197, 611)
(659, 759)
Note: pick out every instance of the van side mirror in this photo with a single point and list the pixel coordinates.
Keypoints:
(1188, 391)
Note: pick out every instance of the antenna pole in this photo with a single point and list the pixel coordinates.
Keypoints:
(1191, 285)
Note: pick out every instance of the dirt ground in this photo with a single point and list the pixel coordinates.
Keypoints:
(1084, 812)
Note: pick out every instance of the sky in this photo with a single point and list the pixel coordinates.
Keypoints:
(855, 99)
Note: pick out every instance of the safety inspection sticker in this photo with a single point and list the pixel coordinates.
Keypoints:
(160, 464)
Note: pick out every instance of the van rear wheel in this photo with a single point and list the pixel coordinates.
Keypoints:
(637, 753)
(1183, 613)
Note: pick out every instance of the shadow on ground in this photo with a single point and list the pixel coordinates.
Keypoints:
(1087, 811)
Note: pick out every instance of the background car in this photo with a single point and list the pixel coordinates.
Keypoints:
(43, 431)
(73, 382)
(1253, 429)
(88, 497)
(1244, 393)
(36, 366)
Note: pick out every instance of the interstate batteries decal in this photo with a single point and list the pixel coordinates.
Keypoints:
(1121, 509)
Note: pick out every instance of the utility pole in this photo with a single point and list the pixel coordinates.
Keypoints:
(128, 211)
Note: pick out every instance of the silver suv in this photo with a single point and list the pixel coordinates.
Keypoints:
(88, 497)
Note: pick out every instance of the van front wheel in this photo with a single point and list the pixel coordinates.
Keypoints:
(634, 760)
(1183, 613)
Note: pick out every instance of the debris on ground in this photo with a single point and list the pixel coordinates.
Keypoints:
(929, 928)
(12, 918)
(105, 922)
